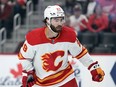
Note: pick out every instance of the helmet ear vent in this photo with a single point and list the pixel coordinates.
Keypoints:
(46, 18)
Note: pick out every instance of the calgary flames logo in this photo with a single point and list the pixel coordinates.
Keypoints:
(49, 60)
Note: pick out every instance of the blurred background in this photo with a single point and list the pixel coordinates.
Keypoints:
(94, 22)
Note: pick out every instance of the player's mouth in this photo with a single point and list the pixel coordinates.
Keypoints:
(59, 27)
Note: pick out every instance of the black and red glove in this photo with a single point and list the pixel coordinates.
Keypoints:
(96, 72)
(28, 79)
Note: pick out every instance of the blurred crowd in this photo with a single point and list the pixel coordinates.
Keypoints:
(91, 15)
(8, 9)
(94, 22)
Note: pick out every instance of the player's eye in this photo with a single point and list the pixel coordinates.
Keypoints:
(59, 19)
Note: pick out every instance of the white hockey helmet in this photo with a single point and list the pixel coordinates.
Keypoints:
(53, 11)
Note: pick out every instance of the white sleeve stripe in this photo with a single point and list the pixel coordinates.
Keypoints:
(86, 60)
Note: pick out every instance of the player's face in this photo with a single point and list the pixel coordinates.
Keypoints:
(56, 24)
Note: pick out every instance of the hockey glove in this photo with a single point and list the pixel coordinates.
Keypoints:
(96, 72)
(27, 79)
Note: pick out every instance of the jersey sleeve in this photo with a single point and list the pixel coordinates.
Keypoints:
(27, 51)
(26, 56)
(78, 51)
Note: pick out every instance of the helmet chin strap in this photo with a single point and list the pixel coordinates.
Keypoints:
(48, 25)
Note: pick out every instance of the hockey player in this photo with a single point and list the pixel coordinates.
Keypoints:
(44, 54)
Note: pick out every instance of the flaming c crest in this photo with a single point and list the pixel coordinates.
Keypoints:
(48, 60)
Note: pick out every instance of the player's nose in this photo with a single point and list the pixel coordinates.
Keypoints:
(60, 23)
